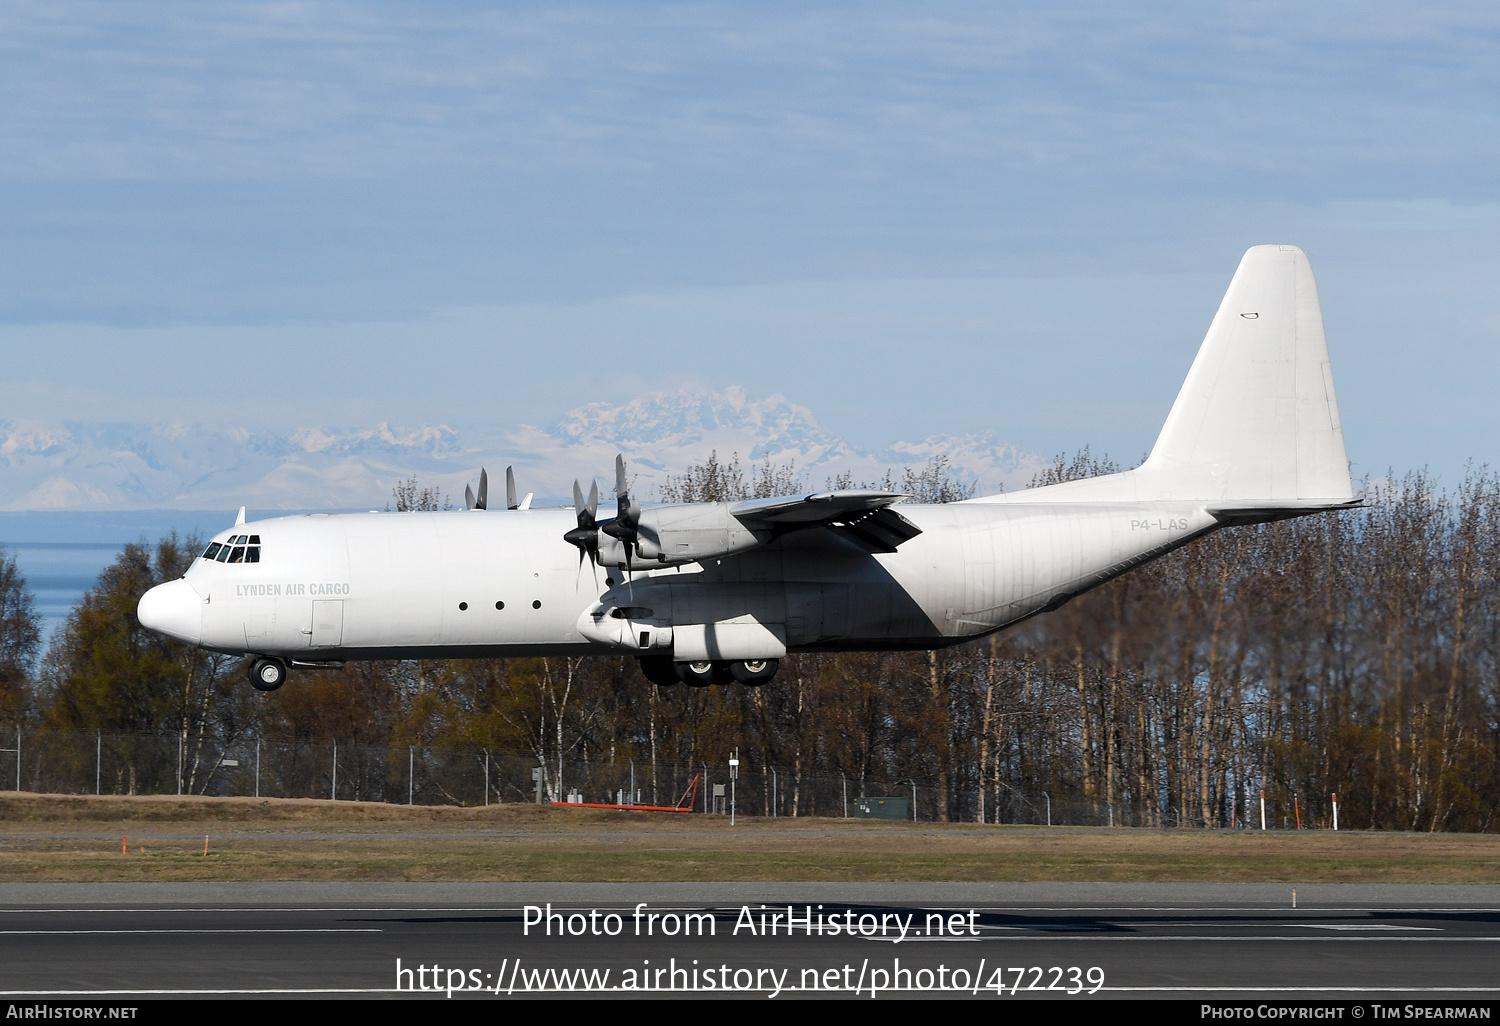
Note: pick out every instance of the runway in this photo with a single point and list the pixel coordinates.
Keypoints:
(995, 941)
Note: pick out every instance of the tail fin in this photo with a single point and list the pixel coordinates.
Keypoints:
(1255, 429)
(1256, 422)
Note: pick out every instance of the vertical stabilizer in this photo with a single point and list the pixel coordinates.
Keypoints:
(1255, 427)
(1257, 420)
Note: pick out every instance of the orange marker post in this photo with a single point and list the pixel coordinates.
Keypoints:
(205, 846)
(124, 845)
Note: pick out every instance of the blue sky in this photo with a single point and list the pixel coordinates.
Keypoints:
(913, 218)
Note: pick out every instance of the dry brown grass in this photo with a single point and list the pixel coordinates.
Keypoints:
(78, 838)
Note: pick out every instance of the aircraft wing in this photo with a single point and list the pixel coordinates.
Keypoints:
(862, 515)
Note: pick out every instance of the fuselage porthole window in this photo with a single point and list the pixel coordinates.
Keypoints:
(212, 551)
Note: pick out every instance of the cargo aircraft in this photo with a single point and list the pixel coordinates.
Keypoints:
(718, 592)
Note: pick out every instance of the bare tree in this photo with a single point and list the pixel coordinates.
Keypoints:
(409, 496)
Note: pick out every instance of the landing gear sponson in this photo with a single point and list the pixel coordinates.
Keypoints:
(664, 672)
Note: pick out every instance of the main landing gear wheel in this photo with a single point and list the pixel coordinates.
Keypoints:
(754, 672)
(659, 671)
(701, 674)
(267, 674)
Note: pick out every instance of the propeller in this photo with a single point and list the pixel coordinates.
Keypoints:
(471, 501)
(626, 524)
(586, 534)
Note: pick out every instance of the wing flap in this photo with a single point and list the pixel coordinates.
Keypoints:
(815, 508)
(862, 515)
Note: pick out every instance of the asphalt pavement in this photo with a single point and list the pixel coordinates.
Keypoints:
(993, 941)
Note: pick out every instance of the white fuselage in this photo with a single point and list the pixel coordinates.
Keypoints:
(1254, 435)
(331, 587)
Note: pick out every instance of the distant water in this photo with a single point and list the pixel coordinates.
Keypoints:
(62, 554)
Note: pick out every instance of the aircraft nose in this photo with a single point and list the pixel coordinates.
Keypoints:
(173, 609)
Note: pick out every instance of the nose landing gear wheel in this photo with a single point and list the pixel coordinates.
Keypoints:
(267, 674)
(754, 672)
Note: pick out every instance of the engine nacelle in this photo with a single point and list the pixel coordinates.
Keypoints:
(674, 535)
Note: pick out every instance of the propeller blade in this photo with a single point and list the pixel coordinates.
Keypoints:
(482, 502)
(468, 497)
(627, 511)
(510, 489)
(586, 534)
(593, 498)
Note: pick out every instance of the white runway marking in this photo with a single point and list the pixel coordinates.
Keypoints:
(1359, 926)
(746, 990)
(605, 907)
(1093, 938)
(66, 933)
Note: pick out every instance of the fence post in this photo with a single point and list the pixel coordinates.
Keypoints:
(913, 801)
(486, 778)
(257, 767)
(775, 795)
(846, 793)
(180, 742)
(333, 794)
(734, 772)
(1049, 807)
(98, 757)
(411, 770)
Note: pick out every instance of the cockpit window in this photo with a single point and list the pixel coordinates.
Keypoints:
(238, 548)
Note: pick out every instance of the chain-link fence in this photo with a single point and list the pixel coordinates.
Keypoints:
(107, 762)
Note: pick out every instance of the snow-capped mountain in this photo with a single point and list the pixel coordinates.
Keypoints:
(194, 466)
